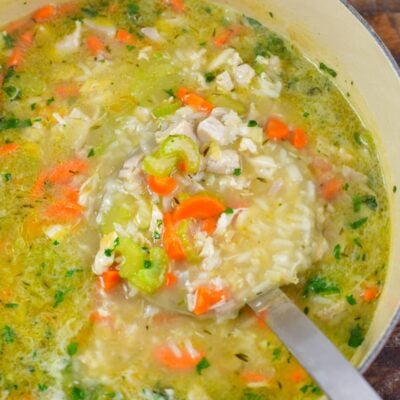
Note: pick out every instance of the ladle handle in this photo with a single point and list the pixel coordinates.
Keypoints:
(323, 361)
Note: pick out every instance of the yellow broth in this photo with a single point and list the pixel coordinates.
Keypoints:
(62, 335)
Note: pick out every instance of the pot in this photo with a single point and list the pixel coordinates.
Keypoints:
(331, 31)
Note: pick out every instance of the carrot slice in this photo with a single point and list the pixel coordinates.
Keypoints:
(225, 36)
(67, 8)
(64, 210)
(370, 293)
(298, 375)
(110, 279)
(67, 90)
(261, 317)
(171, 241)
(207, 297)
(18, 25)
(63, 173)
(8, 148)
(171, 280)
(45, 13)
(209, 225)
(123, 36)
(38, 187)
(95, 45)
(275, 129)
(199, 207)
(254, 377)
(195, 101)
(178, 5)
(16, 57)
(331, 188)
(162, 185)
(181, 361)
(299, 139)
(26, 39)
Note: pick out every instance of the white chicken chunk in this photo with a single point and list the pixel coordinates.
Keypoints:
(211, 129)
(104, 259)
(181, 128)
(227, 57)
(243, 74)
(152, 33)
(224, 163)
(224, 82)
(247, 144)
(71, 42)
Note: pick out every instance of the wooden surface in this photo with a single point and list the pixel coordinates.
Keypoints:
(384, 16)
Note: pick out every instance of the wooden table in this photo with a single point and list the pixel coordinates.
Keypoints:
(384, 16)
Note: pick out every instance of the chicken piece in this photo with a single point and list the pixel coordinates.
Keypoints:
(224, 163)
(224, 82)
(104, 259)
(211, 129)
(243, 74)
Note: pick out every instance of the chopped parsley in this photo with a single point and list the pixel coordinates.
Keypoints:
(229, 211)
(351, 300)
(58, 298)
(276, 354)
(147, 264)
(8, 335)
(89, 11)
(312, 388)
(252, 123)
(14, 123)
(42, 387)
(356, 337)
(129, 47)
(33, 106)
(237, 172)
(11, 305)
(77, 393)
(209, 77)
(12, 92)
(202, 364)
(7, 177)
(72, 349)
(252, 22)
(359, 223)
(357, 242)
(56, 243)
(368, 200)
(8, 41)
(170, 92)
(337, 252)
(156, 235)
(90, 153)
(132, 8)
(108, 252)
(306, 114)
(51, 100)
(328, 70)
(320, 285)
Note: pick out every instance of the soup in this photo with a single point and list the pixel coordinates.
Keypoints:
(161, 158)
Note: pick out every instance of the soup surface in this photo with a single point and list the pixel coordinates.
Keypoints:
(167, 157)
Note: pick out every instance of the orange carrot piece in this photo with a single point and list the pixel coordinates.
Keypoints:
(182, 167)
(16, 57)
(254, 377)
(171, 241)
(38, 187)
(298, 375)
(223, 38)
(207, 297)
(178, 5)
(331, 188)
(95, 45)
(110, 279)
(67, 90)
(123, 36)
(67, 8)
(8, 148)
(64, 210)
(63, 173)
(199, 207)
(45, 13)
(26, 39)
(299, 139)
(370, 293)
(209, 225)
(18, 25)
(275, 129)
(195, 101)
(167, 357)
(261, 319)
(171, 280)
(162, 186)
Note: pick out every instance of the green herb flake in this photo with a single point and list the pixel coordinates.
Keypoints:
(8, 335)
(108, 252)
(56, 243)
(129, 47)
(7, 177)
(132, 9)
(90, 12)
(229, 211)
(58, 298)
(12, 92)
(306, 114)
(77, 393)
(202, 364)
(116, 242)
(170, 92)
(356, 337)
(14, 123)
(252, 123)
(156, 235)
(346, 187)
(11, 305)
(359, 223)
(72, 349)
(252, 22)
(147, 264)
(8, 40)
(42, 387)
(237, 171)
(328, 70)
(276, 354)
(337, 252)
(319, 285)
(33, 106)
(368, 200)
(90, 153)
(357, 242)
(351, 300)
(271, 14)
(356, 203)
(51, 100)
(159, 223)
(394, 189)
(209, 77)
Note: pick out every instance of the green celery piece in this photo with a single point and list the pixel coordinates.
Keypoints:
(183, 233)
(166, 109)
(173, 149)
(147, 279)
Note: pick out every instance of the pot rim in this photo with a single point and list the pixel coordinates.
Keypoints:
(389, 56)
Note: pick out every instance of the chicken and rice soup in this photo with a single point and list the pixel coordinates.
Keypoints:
(168, 157)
